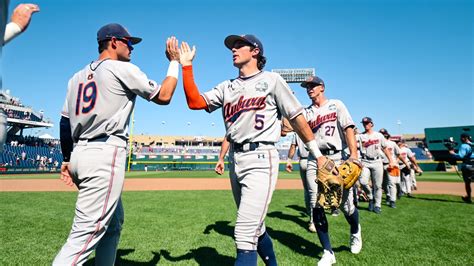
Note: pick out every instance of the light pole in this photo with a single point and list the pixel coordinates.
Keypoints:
(399, 123)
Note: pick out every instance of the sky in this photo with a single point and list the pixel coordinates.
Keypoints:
(406, 64)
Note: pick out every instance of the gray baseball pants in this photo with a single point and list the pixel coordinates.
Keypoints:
(310, 188)
(374, 170)
(253, 177)
(98, 170)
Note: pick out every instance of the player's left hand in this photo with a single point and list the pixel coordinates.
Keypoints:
(22, 15)
(220, 167)
(322, 161)
(66, 175)
(186, 55)
(172, 49)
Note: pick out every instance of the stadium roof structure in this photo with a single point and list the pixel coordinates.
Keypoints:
(19, 116)
(295, 75)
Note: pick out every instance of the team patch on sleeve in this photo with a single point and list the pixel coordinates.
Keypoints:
(155, 87)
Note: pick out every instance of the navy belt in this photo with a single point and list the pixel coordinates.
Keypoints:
(248, 146)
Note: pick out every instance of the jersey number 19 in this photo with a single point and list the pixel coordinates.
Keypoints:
(87, 95)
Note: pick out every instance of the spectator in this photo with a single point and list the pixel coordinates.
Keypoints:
(467, 167)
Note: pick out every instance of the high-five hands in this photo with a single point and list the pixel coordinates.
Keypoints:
(186, 54)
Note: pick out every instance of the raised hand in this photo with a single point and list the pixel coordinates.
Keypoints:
(186, 55)
(22, 15)
(172, 49)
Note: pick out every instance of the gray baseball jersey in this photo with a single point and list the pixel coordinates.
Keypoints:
(405, 153)
(99, 102)
(393, 149)
(101, 97)
(328, 123)
(372, 144)
(302, 151)
(252, 108)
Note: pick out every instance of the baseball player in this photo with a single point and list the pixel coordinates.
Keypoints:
(309, 186)
(94, 126)
(392, 180)
(333, 127)
(252, 106)
(20, 20)
(371, 144)
(407, 169)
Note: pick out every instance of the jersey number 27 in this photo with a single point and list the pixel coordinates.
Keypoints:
(86, 95)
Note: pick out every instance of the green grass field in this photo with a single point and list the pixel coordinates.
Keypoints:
(427, 176)
(196, 227)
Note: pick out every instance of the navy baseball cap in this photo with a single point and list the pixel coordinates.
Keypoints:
(312, 80)
(465, 135)
(247, 38)
(366, 120)
(115, 30)
(384, 132)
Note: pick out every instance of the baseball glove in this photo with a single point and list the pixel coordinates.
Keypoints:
(349, 171)
(331, 186)
(393, 171)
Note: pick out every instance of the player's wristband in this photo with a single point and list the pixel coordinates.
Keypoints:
(173, 69)
(11, 31)
(313, 148)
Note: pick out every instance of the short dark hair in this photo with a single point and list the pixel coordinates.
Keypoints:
(103, 45)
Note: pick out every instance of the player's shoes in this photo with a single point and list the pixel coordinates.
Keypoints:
(328, 258)
(356, 242)
(311, 227)
(371, 205)
(335, 212)
(392, 205)
(466, 199)
(377, 210)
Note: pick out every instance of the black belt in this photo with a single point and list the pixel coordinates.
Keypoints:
(365, 157)
(102, 138)
(329, 152)
(248, 146)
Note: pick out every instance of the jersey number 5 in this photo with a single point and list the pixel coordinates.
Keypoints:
(87, 95)
(259, 122)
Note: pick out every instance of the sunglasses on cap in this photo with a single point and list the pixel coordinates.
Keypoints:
(311, 86)
(128, 42)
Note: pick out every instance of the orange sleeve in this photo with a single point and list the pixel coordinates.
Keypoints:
(193, 97)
